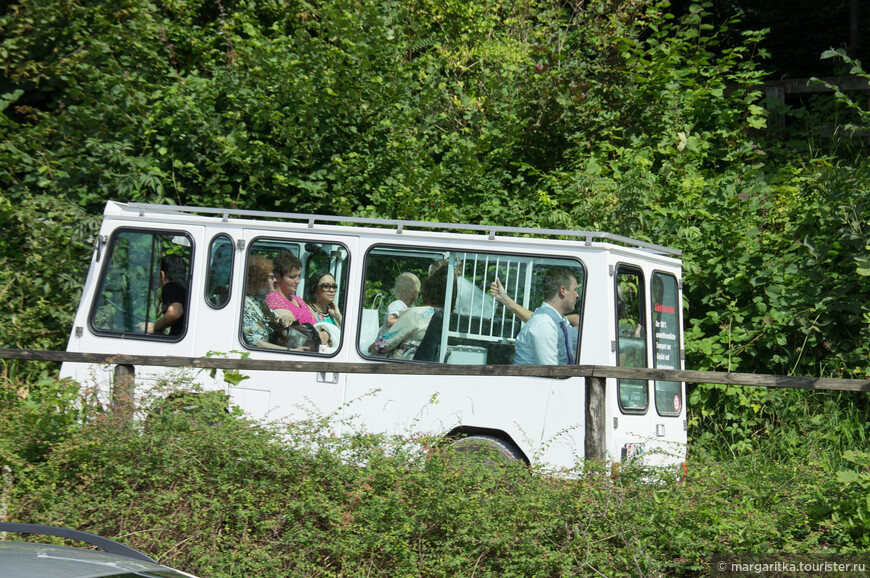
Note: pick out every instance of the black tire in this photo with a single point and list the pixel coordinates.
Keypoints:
(485, 450)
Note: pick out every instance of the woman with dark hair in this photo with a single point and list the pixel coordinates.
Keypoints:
(321, 290)
(402, 339)
(286, 305)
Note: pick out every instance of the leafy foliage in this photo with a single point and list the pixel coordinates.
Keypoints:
(38, 416)
(852, 511)
(620, 116)
(43, 263)
(203, 489)
(616, 116)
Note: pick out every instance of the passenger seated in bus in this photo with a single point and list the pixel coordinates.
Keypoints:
(498, 292)
(321, 290)
(173, 296)
(283, 301)
(407, 290)
(545, 339)
(632, 349)
(260, 326)
(403, 338)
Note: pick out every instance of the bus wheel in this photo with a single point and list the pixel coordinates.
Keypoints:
(485, 450)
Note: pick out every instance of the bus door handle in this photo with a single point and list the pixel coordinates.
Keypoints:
(327, 377)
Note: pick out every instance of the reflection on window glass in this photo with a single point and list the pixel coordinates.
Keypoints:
(146, 273)
(631, 337)
(666, 340)
(295, 296)
(220, 269)
(433, 305)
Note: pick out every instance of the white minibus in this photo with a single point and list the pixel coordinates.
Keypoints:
(338, 276)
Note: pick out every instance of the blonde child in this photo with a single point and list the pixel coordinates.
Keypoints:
(407, 289)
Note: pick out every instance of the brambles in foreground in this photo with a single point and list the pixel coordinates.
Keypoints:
(227, 497)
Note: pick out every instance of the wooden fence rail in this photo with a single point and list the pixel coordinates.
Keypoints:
(595, 377)
(600, 371)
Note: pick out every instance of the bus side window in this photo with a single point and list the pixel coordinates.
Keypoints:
(129, 294)
(279, 291)
(453, 319)
(220, 271)
(631, 337)
(395, 315)
(666, 339)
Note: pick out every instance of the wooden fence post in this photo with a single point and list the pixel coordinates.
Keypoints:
(5, 492)
(123, 389)
(596, 413)
(776, 109)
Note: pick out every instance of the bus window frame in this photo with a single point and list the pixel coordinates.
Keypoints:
(440, 250)
(678, 340)
(634, 269)
(342, 301)
(107, 261)
(206, 288)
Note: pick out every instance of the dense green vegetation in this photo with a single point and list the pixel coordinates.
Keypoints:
(212, 493)
(618, 116)
(612, 116)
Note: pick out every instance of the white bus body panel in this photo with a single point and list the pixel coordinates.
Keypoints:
(544, 417)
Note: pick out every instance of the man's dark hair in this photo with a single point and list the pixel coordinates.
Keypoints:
(555, 279)
(174, 267)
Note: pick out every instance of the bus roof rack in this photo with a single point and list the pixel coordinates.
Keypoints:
(401, 225)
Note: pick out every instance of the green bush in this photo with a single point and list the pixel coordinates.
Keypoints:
(39, 416)
(204, 489)
(850, 506)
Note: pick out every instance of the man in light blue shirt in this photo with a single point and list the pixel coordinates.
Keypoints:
(544, 339)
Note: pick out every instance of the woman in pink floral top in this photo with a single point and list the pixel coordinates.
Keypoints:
(284, 302)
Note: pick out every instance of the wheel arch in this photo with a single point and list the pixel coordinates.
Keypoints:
(469, 430)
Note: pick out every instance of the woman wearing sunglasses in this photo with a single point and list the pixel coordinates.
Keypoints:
(321, 290)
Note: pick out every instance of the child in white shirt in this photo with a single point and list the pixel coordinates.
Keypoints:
(407, 289)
